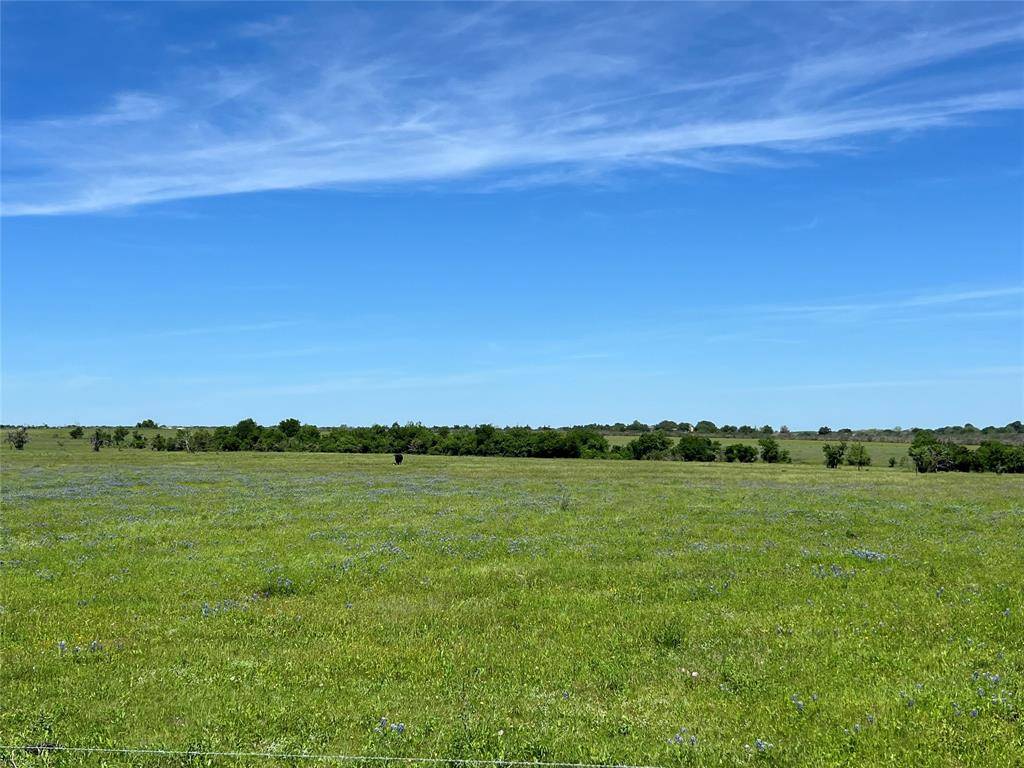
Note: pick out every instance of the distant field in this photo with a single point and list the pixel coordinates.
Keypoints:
(805, 451)
(508, 608)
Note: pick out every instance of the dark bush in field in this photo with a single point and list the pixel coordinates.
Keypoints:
(858, 456)
(833, 454)
(772, 452)
(745, 454)
(650, 445)
(18, 438)
(696, 448)
(76, 432)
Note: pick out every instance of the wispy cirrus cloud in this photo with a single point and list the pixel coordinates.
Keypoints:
(507, 97)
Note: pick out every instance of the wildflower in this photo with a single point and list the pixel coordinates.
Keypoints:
(974, 713)
(762, 745)
(62, 647)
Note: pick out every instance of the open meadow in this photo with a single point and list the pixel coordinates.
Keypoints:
(649, 613)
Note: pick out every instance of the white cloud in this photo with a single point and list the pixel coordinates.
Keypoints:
(479, 97)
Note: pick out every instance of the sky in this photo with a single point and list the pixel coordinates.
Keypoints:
(540, 214)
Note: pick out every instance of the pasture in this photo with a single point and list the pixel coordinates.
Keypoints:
(651, 613)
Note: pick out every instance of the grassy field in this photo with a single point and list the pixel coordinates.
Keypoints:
(807, 451)
(561, 610)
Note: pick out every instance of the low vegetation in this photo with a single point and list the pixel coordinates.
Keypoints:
(644, 612)
(928, 452)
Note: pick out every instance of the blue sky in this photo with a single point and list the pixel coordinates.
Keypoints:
(542, 214)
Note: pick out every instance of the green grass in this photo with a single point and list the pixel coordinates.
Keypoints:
(508, 608)
(806, 451)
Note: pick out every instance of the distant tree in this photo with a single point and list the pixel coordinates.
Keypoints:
(120, 433)
(667, 425)
(685, 426)
(783, 430)
(146, 424)
(772, 452)
(740, 452)
(158, 443)
(692, 447)
(746, 430)
(930, 454)
(76, 432)
(727, 429)
(290, 427)
(833, 454)
(138, 440)
(309, 436)
(638, 426)
(824, 430)
(247, 433)
(99, 439)
(649, 445)
(705, 427)
(18, 438)
(767, 429)
(858, 456)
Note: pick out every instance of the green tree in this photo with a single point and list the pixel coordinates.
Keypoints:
(290, 427)
(824, 430)
(741, 452)
(138, 440)
(146, 424)
(120, 433)
(833, 454)
(649, 445)
(692, 447)
(18, 438)
(76, 432)
(772, 452)
(858, 456)
(707, 427)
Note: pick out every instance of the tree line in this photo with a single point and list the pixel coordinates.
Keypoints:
(928, 451)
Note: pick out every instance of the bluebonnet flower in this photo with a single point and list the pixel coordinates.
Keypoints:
(867, 554)
(974, 713)
(62, 647)
(762, 745)
(682, 738)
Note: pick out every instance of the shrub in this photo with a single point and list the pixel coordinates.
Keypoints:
(772, 452)
(649, 445)
(930, 454)
(833, 454)
(692, 447)
(858, 456)
(18, 438)
(76, 432)
(741, 452)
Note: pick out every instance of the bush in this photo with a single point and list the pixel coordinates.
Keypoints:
(833, 454)
(649, 445)
(18, 438)
(76, 432)
(741, 452)
(858, 456)
(692, 447)
(930, 454)
(772, 452)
